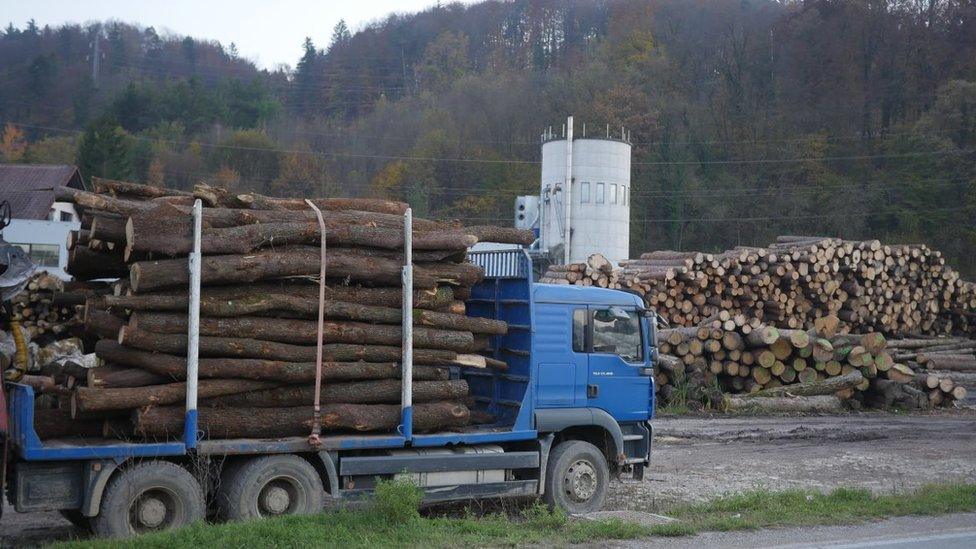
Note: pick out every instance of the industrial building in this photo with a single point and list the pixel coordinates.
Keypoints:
(583, 206)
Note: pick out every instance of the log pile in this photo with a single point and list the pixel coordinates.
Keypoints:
(47, 308)
(259, 310)
(596, 271)
(793, 282)
(721, 357)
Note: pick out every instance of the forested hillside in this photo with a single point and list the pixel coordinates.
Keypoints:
(749, 118)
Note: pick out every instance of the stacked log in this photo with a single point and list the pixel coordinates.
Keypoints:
(757, 359)
(259, 310)
(797, 280)
(596, 271)
(945, 367)
(47, 308)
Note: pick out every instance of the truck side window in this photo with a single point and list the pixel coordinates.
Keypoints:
(617, 331)
(579, 331)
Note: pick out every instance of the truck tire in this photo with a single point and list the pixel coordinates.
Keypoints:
(149, 497)
(576, 477)
(269, 486)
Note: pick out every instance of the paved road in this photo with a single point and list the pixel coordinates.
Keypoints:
(941, 532)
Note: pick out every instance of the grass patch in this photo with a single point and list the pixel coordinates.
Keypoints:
(393, 519)
(763, 509)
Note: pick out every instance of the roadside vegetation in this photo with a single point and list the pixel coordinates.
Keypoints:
(393, 520)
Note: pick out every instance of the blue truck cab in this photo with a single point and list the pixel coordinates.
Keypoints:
(570, 408)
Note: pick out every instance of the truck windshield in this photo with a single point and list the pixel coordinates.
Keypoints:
(618, 333)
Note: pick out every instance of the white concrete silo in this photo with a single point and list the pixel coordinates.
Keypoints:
(596, 208)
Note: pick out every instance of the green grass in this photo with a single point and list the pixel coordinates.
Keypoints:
(764, 509)
(393, 519)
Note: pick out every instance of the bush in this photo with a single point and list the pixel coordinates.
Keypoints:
(397, 501)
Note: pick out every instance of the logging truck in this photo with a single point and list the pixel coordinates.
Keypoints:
(572, 409)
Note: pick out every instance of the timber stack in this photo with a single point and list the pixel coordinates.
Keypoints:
(49, 308)
(259, 307)
(701, 363)
(895, 289)
(597, 271)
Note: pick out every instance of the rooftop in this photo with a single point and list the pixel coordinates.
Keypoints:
(30, 188)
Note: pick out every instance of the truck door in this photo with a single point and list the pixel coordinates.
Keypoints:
(560, 343)
(615, 382)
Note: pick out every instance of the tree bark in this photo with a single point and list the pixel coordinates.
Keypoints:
(219, 197)
(87, 399)
(144, 234)
(359, 392)
(110, 377)
(133, 190)
(299, 332)
(229, 347)
(57, 423)
(101, 323)
(218, 423)
(87, 264)
(828, 386)
(257, 369)
(275, 297)
(343, 264)
(820, 403)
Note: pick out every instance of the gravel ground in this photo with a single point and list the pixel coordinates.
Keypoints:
(695, 459)
(698, 458)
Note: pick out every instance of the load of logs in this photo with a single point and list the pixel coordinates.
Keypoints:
(597, 271)
(721, 357)
(48, 307)
(259, 308)
(899, 290)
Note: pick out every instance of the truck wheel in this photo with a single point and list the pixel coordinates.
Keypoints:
(149, 497)
(269, 486)
(576, 477)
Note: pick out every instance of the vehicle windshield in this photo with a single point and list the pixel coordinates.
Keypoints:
(617, 331)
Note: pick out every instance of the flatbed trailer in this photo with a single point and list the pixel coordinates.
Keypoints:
(573, 407)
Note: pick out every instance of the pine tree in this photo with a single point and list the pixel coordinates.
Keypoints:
(105, 151)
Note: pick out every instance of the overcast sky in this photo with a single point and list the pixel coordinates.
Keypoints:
(268, 32)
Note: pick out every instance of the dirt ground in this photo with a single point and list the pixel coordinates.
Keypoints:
(695, 459)
(698, 458)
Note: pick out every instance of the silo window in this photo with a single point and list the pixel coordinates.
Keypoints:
(613, 193)
(584, 192)
(599, 193)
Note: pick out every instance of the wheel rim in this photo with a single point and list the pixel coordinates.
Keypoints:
(580, 481)
(154, 509)
(280, 496)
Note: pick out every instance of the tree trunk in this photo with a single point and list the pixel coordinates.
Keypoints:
(820, 403)
(102, 324)
(133, 190)
(218, 423)
(108, 229)
(828, 386)
(144, 234)
(286, 372)
(110, 377)
(98, 400)
(57, 423)
(87, 264)
(359, 392)
(219, 197)
(286, 330)
(272, 297)
(297, 261)
(300, 332)
(253, 348)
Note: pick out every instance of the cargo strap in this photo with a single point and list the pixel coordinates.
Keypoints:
(313, 438)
